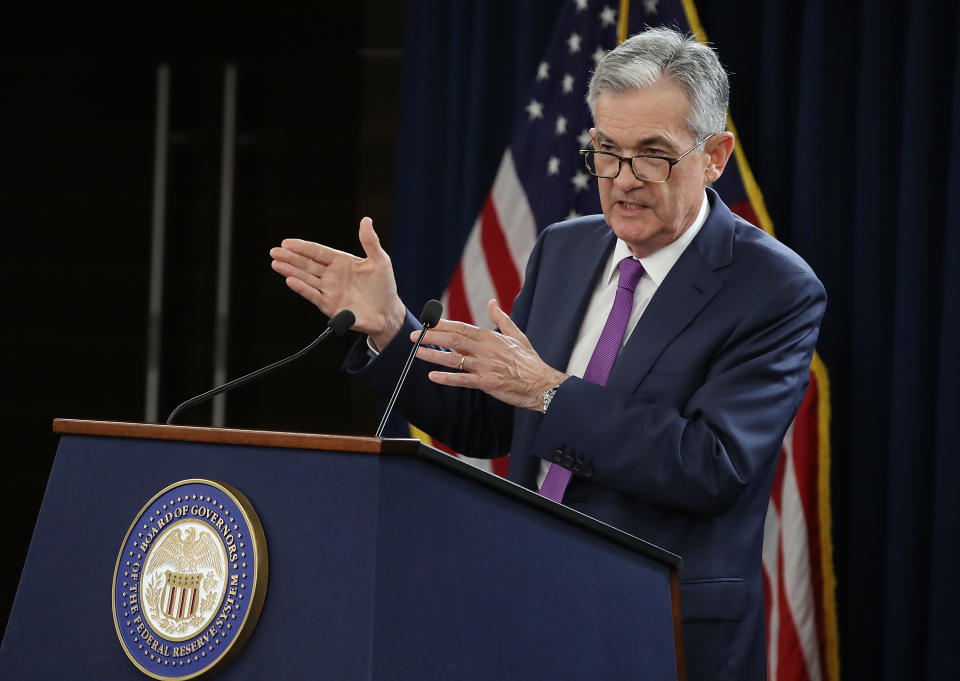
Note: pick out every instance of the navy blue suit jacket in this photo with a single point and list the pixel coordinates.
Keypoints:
(680, 447)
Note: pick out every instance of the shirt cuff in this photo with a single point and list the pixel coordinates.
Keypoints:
(372, 352)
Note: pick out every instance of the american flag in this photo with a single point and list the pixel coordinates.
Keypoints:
(541, 180)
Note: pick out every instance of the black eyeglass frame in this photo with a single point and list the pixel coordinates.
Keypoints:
(629, 159)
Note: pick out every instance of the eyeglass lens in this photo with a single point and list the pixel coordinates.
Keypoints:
(607, 165)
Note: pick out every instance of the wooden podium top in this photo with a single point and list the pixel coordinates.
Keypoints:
(230, 436)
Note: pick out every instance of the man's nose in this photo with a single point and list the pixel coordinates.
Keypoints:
(625, 179)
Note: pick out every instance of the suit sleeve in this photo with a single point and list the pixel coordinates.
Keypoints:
(469, 421)
(699, 457)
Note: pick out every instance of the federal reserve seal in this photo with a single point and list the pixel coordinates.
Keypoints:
(190, 580)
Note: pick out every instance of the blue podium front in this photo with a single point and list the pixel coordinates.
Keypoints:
(387, 560)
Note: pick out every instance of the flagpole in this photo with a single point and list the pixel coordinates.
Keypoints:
(623, 21)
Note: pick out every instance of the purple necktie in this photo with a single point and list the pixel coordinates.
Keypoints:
(601, 362)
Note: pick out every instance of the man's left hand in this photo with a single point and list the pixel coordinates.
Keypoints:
(504, 365)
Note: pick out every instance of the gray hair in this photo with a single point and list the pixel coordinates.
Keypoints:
(664, 53)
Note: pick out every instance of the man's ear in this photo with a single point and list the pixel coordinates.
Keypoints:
(718, 148)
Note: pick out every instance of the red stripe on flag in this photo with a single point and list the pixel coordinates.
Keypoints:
(173, 590)
(503, 271)
(193, 602)
(745, 210)
(499, 465)
(805, 455)
(457, 306)
(442, 447)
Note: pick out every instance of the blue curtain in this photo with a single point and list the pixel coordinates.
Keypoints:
(850, 116)
(467, 67)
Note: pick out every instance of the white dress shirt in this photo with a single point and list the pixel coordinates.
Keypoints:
(656, 266)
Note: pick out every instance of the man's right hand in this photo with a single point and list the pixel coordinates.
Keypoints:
(333, 280)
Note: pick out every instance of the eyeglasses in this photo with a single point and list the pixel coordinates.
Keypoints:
(645, 167)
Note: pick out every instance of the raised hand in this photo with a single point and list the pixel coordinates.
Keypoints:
(333, 280)
(503, 365)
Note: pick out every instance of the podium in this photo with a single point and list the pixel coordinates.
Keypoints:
(388, 559)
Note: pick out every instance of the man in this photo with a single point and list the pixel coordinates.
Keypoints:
(709, 325)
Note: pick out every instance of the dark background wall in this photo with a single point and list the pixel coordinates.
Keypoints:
(318, 98)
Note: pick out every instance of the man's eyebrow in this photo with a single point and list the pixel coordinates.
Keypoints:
(655, 141)
(650, 141)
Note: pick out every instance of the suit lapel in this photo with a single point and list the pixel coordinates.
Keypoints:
(691, 283)
(683, 294)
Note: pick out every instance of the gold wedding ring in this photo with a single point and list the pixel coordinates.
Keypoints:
(462, 358)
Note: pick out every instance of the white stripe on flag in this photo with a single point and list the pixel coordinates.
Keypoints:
(482, 464)
(477, 284)
(796, 563)
(771, 547)
(516, 218)
(445, 303)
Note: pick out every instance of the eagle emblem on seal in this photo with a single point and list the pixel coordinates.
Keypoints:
(187, 567)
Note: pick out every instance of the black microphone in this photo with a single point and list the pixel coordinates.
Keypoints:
(338, 325)
(429, 318)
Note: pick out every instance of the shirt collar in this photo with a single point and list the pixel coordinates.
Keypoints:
(658, 264)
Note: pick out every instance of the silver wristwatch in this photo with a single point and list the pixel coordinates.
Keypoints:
(548, 397)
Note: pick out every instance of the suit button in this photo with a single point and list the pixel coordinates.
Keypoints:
(557, 455)
(567, 460)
